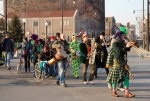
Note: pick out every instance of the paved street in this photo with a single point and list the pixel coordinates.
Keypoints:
(23, 87)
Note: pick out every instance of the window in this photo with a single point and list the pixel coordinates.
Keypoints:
(49, 23)
(60, 23)
(67, 23)
(64, 23)
(35, 23)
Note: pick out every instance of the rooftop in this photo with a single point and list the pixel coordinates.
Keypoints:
(43, 14)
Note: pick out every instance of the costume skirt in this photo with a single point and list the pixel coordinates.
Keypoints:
(117, 74)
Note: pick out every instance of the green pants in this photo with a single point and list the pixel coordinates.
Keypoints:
(75, 66)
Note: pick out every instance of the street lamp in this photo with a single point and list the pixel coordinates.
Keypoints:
(24, 22)
(62, 4)
(46, 24)
(143, 23)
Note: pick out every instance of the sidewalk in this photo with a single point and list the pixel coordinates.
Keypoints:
(47, 90)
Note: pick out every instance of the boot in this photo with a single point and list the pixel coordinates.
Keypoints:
(129, 95)
(115, 94)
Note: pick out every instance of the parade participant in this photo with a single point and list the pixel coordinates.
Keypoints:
(8, 48)
(84, 59)
(26, 54)
(102, 53)
(37, 48)
(46, 55)
(74, 48)
(118, 71)
(67, 50)
(52, 40)
(120, 82)
(60, 79)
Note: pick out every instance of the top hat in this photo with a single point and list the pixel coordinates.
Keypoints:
(34, 36)
(102, 33)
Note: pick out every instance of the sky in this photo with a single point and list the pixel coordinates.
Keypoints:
(122, 10)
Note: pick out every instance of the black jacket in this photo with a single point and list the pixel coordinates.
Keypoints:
(101, 55)
(8, 45)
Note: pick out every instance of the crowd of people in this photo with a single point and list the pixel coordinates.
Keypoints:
(42, 51)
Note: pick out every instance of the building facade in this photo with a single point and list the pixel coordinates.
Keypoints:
(109, 26)
(91, 12)
(35, 23)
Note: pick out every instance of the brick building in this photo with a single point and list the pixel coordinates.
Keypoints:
(109, 26)
(91, 12)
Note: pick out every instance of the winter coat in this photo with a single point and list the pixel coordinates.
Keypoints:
(8, 45)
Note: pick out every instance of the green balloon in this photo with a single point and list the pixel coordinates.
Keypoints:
(33, 42)
(123, 29)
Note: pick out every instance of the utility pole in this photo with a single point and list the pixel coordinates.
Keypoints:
(143, 29)
(147, 34)
(5, 13)
(62, 16)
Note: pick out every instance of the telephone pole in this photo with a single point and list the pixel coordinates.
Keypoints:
(5, 13)
(147, 33)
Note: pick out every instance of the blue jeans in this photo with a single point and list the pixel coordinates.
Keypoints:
(8, 56)
(55, 68)
(49, 70)
(60, 71)
(65, 65)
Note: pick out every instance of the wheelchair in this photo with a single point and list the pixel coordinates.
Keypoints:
(40, 74)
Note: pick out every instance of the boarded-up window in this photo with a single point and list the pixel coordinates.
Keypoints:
(67, 23)
(64, 23)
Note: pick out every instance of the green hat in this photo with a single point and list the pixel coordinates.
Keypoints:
(123, 29)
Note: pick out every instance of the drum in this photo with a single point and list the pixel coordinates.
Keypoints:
(52, 61)
(60, 54)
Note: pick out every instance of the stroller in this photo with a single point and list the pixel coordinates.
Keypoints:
(18, 54)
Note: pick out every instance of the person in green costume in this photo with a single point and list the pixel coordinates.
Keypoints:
(118, 71)
(75, 55)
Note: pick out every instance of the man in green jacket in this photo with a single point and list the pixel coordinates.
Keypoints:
(84, 59)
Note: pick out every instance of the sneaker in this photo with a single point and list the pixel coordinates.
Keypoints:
(109, 86)
(121, 89)
(8, 68)
(85, 82)
(63, 85)
(76, 77)
(57, 82)
(91, 82)
(46, 76)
